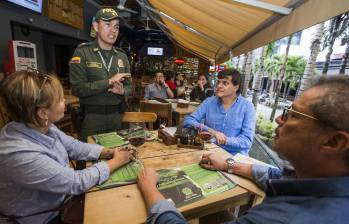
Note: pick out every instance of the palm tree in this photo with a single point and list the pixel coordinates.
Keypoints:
(272, 67)
(247, 72)
(267, 51)
(345, 41)
(294, 72)
(314, 51)
(338, 25)
(257, 79)
(282, 74)
(345, 58)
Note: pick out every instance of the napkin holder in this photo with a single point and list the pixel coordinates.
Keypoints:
(166, 137)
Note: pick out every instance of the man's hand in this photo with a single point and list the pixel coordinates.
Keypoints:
(118, 78)
(220, 137)
(146, 181)
(117, 89)
(147, 178)
(213, 161)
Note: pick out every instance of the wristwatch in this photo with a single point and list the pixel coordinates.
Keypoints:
(231, 162)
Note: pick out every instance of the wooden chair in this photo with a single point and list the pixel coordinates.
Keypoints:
(146, 117)
(162, 110)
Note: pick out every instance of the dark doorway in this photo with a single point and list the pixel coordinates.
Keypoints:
(63, 54)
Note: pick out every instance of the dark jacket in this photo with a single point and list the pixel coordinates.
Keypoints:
(198, 95)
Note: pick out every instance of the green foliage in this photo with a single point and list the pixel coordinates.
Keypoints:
(273, 64)
(294, 68)
(265, 127)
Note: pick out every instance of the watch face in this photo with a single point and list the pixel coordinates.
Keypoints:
(230, 161)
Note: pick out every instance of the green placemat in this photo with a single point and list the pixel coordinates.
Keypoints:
(183, 185)
(109, 140)
(124, 175)
(191, 183)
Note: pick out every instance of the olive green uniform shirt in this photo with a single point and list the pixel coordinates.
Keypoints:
(89, 77)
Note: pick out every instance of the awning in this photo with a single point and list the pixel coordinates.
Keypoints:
(212, 28)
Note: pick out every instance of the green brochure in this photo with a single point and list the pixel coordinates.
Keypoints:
(110, 140)
(126, 174)
(191, 183)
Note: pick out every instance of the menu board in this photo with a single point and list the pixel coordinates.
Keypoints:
(190, 67)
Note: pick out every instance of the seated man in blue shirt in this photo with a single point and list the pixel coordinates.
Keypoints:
(313, 135)
(228, 116)
(159, 88)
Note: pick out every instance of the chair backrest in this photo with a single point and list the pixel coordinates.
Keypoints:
(162, 110)
(133, 117)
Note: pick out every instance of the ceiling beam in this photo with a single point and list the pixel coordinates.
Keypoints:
(263, 5)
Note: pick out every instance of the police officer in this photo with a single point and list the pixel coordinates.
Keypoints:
(98, 76)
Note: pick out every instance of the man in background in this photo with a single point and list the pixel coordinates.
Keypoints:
(98, 73)
(158, 88)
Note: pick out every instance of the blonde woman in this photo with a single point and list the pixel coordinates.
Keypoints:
(34, 154)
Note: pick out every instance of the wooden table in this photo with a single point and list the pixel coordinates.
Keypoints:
(180, 113)
(125, 204)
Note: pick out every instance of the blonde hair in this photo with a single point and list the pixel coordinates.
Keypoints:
(25, 92)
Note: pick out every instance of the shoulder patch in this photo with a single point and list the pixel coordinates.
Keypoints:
(75, 60)
(85, 44)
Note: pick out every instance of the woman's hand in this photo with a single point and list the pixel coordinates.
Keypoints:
(121, 156)
(201, 85)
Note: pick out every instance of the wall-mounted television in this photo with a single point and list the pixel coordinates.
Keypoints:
(155, 51)
(35, 5)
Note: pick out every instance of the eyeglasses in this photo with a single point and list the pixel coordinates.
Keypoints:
(43, 78)
(43, 83)
(288, 109)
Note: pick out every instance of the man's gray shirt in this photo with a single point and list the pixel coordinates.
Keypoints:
(153, 90)
(35, 173)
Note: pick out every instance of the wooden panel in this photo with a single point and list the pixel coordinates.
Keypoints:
(66, 11)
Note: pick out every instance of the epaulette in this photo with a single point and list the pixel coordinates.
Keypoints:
(116, 49)
(85, 44)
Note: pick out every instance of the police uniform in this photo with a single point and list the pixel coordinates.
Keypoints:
(90, 70)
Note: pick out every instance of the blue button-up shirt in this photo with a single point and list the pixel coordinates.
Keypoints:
(237, 123)
(35, 173)
(288, 200)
